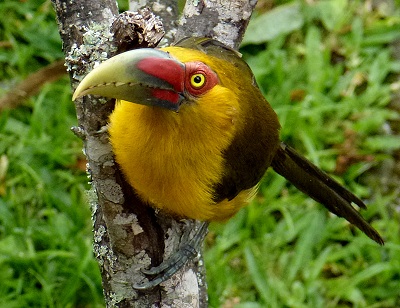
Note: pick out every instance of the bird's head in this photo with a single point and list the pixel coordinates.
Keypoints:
(167, 77)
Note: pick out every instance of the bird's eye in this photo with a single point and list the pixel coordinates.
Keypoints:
(197, 80)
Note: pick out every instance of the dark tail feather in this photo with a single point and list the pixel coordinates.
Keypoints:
(322, 188)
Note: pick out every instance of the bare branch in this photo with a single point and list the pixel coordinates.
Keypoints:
(224, 20)
(32, 84)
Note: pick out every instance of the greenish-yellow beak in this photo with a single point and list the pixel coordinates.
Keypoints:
(142, 76)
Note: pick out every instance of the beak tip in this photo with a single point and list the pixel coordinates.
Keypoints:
(79, 92)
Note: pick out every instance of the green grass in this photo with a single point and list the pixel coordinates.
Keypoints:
(46, 257)
(329, 73)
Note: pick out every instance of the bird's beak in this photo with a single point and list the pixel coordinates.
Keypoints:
(143, 76)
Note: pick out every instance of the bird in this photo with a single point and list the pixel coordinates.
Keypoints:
(194, 135)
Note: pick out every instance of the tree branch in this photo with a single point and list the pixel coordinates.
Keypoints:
(128, 236)
(32, 84)
(223, 20)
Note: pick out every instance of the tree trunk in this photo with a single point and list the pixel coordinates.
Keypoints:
(128, 235)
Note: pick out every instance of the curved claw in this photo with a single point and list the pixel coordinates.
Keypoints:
(149, 285)
(169, 267)
(175, 262)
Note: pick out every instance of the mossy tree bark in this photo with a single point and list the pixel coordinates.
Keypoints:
(129, 235)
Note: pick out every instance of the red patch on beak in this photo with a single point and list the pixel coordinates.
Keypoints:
(166, 95)
(168, 70)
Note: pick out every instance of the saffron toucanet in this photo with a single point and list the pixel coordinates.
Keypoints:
(194, 135)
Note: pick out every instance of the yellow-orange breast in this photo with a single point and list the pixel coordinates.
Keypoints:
(173, 160)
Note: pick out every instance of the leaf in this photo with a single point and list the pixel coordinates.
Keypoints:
(381, 34)
(332, 13)
(316, 68)
(257, 274)
(383, 143)
(281, 20)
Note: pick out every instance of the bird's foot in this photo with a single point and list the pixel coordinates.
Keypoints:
(188, 250)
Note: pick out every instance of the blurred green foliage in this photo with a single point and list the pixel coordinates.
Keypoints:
(46, 257)
(329, 70)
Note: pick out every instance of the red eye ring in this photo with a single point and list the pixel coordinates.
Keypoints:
(200, 78)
